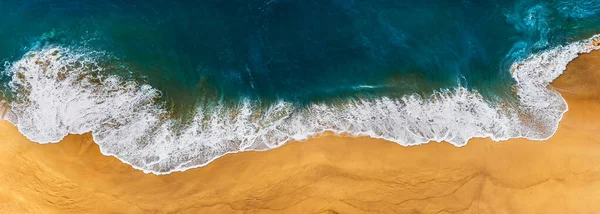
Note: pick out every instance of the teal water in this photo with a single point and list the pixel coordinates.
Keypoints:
(300, 50)
(226, 54)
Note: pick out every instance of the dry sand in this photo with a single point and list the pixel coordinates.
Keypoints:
(329, 174)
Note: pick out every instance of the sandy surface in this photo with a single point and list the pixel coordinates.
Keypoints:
(329, 174)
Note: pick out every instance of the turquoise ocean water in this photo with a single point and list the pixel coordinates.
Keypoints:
(169, 85)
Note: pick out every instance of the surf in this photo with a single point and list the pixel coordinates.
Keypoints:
(60, 91)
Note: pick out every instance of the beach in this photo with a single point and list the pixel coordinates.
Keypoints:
(329, 174)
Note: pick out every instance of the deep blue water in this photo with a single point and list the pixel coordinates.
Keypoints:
(301, 50)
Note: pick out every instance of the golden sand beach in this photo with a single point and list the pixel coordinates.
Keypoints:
(329, 174)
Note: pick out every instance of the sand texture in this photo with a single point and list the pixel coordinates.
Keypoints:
(329, 174)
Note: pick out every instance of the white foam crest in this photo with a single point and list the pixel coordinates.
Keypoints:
(60, 91)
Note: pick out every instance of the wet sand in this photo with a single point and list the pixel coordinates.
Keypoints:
(329, 174)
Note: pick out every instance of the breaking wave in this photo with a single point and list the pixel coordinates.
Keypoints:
(60, 91)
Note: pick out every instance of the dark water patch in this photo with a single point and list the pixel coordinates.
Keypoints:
(300, 51)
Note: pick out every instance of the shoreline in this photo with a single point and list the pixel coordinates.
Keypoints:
(452, 116)
(329, 173)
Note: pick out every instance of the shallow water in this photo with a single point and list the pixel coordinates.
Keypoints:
(166, 85)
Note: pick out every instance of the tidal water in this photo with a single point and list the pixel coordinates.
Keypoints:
(301, 50)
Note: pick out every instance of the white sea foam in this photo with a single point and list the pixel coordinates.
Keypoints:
(61, 91)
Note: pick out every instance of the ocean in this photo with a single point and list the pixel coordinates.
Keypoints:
(170, 85)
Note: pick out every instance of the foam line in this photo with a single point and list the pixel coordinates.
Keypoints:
(60, 91)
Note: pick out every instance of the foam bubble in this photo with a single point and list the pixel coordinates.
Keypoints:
(60, 91)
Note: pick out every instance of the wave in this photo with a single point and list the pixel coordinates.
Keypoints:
(60, 91)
